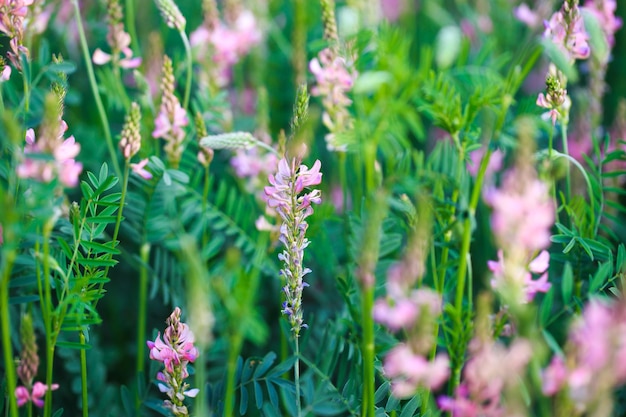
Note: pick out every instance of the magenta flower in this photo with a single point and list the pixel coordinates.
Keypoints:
(522, 278)
(36, 394)
(12, 17)
(175, 351)
(526, 15)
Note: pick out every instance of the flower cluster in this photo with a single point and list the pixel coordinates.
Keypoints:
(333, 81)
(228, 43)
(485, 378)
(595, 362)
(251, 163)
(63, 165)
(12, 15)
(556, 99)
(284, 195)
(523, 214)
(176, 351)
(406, 365)
(413, 311)
(604, 11)
(27, 368)
(172, 118)
(567, 31)
(118, 40)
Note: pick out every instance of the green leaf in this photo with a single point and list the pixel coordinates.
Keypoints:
(600, 278)
(96, 262)
(545, 312)
(567, 284)
(58, 413)
(73, 345)
(411, 407)
(243, 401)
(551, 342)
(271, 391)
(265, 364)
(258, 394)
(282, 368)
(66, 67)
(99, 247)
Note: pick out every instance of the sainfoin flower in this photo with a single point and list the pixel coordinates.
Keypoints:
(285, 195)
(228, 44)
(485, 377)
(333, 81)
(119, 41)
(35, 394)
(176, 350)
(566, 30)
(12, 16)
(62, 166)
(595, 361)
(604, 11)
(172, 118)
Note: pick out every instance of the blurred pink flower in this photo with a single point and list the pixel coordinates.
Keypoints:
(36, 395)
(409, 371)
(604, 11)
(138, 169)
(63, 166)
(566, 30)
(526, 15)
(494, 165)
(5, 74)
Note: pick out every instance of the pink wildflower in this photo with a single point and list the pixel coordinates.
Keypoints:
(172, 118)
(494, 165)
(176, 351)
(63, 166)
(522, 213)
(229, 43)
(12, 16)
(526, 15)
(401, 312)
(36, 394)
(567, 31)
(409, 371)
(485, 378)
(594, 365)
(604, 11)
(284, 196)
(139, 169)
(523, 278)
(333, 81)
(5, 74)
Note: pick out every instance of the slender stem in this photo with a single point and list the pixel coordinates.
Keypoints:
(368, 352)
(343, 180)
(9, 364)
(94, 89)
(296, 376)
(1, 101)
(568, 180)
(142, 313)
(130, 24)
(83, 374)
(26, 92)
(50, 339)
(185, 39)
(205, 201)
(231, 369)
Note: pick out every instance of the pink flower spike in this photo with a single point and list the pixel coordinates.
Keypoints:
(138, 169)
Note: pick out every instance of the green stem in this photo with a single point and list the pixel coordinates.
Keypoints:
(9, 364)
(233, 354)
(343, 180)
(205, 201)
(94, 89)
(130, 24)
(83, 374)
(296, 376)
(368, 352)
(26, 93)
(50, 339)
(143, 307)
(185, 39)
(568, 180)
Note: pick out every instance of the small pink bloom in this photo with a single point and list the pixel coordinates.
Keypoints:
(494, 165)
(22, 395)
(524, 14)
(100, 57)
(138, 169)
(554, 377)
(5, 74)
